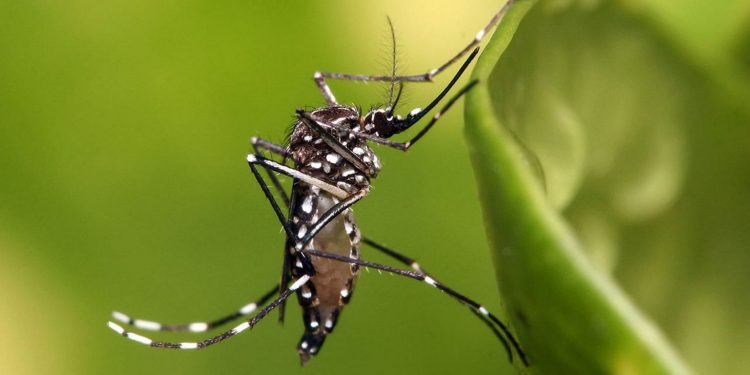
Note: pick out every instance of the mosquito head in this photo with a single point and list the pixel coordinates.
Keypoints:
(381, 122)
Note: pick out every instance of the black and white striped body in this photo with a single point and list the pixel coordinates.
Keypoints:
(332, 284)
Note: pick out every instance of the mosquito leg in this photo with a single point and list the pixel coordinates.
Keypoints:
(479, 309)
(437, 115)
(245, 310)
(269, 195)
(302, 238)
(347, 199)
(403, 259)
(218, 338)
(196, 326)
(307, 266)
(262, 144)
(259, 145)
(325, 90)
(254, 159)
(424, 77)
(412, 263)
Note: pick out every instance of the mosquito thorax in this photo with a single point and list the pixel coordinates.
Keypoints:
(312, 154)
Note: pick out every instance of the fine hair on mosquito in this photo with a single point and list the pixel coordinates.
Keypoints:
(328, 157)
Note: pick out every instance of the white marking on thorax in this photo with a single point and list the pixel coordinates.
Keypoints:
(307, 204)
(333, 158)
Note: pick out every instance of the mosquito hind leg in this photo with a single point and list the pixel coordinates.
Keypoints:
(507, 338)
(218, 338)
(412, 263)
(424, 77)
(195, 326)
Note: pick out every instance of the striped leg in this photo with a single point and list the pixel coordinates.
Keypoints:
(489, 319)
(412, 263)
(320, 77)
(195, 326)
(253, 160)
(306, 264)
(218, 338)
(260, 144)
(476, 307)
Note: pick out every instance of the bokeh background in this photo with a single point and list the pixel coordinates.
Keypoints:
(124, 127)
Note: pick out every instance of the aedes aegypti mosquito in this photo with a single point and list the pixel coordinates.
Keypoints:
(333, 167)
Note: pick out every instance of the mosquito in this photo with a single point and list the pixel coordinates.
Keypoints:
(333, 166)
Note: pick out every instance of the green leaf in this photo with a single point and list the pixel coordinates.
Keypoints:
(573, 130)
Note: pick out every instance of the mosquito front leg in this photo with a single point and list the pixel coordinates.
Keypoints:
(424, 77)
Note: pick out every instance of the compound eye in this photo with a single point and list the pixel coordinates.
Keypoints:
(381, 123)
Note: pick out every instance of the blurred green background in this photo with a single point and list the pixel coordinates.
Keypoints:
(123, 132)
